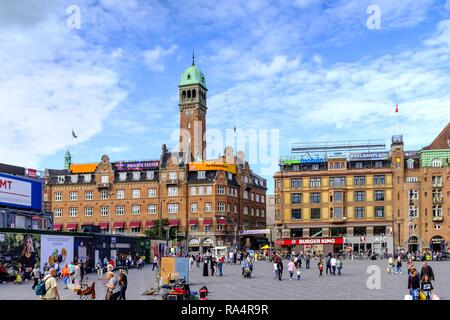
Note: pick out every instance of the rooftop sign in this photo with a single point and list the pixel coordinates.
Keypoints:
(369, 156)
(136, 165)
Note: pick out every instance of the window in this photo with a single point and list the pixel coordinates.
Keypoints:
(413, 194)
(437, 181)
(151, 209)
(220, 227)
(173, 207)
(315, 167)
(296, 214)
(360, 196)
(359, 231)
(201, 175)
(136, 194)
(150, 175)
(172, 176)
(296, 233)
(379, 180)
(262, 198)
(173, 191)
(120, 230)
(245, 194)
(379, 231)
(61, 179)
(338, 196)
(315, 232)
(412, 179)
(379, 195)
(337, 181)
(120, 210)
(315, 182)
(104, 194)
(152, 193)
(359, 165)
(296, 198)
(230, 176)
(201, 190)
(193, 207)
(104, 179)
(235, 208)
(88, 195)
(252, 196)
(122, 176)
(193, 191)
(88, 211)
(410, 163)
(58, 196)
(436, 163)
(360, 180)
(74, 178)
(252, 212)
(136, 210)
(193, 227)
(378, 164)
(73, 212)
(208, 206)
(379, 212)
(207, 229)
(338, 232)
(58, 212)
(315, 213)
(437, 194)
(263, 213)
(120, 194)
(295, 168)
(104, 211)
(257, 212)
(73, 196)
(315, 197)
(246, 211)
(220, 190)
(136, 175)
(360, 212)
(136, 229)
(221, 207)
(296, 183)
(338, 213)
(257, 197)
(437, 211)
(413, 212)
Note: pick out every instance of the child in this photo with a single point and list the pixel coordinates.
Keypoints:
(426, 286)
(298, 273)
(275, 270)
(320, 265)
(36, 275)
(19, 276)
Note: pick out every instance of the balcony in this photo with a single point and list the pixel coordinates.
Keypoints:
(437, 200)
(438, 219)
(103, 185)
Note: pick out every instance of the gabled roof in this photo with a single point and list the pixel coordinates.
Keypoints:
(442, 141)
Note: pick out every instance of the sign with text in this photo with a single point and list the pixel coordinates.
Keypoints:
(20, 192)
(136, 165)
(210, 166)
(260, 231)
(309, 241)
(369, 156)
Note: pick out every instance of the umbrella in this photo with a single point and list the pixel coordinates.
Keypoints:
(266, 247)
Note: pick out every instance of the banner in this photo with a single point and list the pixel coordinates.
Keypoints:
(136, 165)
(260, 231)
(55, 248)
(174, 268)
(20, 192)
(309, 241)
(210, 166)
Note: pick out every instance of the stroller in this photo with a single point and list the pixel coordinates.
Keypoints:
(88, 293)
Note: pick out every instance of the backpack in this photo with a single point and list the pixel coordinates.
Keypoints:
(40, 289)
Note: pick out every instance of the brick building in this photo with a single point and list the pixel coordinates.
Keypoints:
(208, 201)
(358, 196)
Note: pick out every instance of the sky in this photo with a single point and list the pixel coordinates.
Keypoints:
(290, 71)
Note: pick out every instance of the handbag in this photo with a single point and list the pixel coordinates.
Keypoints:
(108, 295)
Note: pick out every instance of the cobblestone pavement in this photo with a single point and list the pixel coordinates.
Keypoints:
(351, 285)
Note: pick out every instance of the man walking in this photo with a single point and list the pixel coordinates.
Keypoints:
(308, 260)
(426, 270)
(155, 263)
(51, 287)
(333, 265)
(328, 265)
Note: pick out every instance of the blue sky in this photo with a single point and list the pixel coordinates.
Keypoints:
(311, 69)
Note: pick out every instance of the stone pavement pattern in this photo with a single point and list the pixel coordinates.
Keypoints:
(350, 286)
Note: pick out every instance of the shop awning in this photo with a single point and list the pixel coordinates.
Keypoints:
(207, 222)
(72, 226)
(57, 227)
(118, 225)
(86, 224)
(135, 224)
(193, 221)
(103, 225)
(221, 221)
(174, 223)
(149, 224)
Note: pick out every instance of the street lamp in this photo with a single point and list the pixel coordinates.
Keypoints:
(167, 228)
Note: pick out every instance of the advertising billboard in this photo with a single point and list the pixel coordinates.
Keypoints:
(20, 192)
(369, 156)
(56, 248)
(210, 166)
(136, 165)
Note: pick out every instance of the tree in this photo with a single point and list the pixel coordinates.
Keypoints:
(153, 233)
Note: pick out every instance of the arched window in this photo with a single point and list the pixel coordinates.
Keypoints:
(194, 94)
(189, 94)
(183, 95)
(436, 163)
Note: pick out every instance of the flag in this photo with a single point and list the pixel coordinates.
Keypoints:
(74, 135)
(396, 108)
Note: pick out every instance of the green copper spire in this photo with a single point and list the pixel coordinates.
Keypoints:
(67, 160)
(192, 75)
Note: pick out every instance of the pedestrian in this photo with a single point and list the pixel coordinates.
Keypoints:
(298, 273)
(36, 274)
(275, 270)
(333, 265)
(328, 264)
(308, 260)
(414, 284)
(320, 266)
(409, 265)
(3, 273)
(82, 272)
(213, 266)
(280, 269)
(220, 266)
(426, 286)
(244, 264)
(112, 288)
(51, 287)
(426, 270)
(339, 265)
(99, 268)
(391, 265)
(205, 266)
(123, 284)
(291, 269)
(155, 263)
(299, 260)
(65, 273)
(399, 266)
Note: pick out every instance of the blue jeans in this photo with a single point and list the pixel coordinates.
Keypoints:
(414, 293)
(220, 271)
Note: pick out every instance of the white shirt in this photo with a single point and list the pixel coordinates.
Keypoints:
(333, 261)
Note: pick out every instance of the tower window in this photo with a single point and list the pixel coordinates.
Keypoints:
(183, 95)
(189, 94)
(194, 93)
(189, 77)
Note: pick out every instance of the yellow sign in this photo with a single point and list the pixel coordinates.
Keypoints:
(83, 168)
(209, 166)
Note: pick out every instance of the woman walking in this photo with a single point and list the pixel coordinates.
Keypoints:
(414, 284)
(205, 266)
(291, 269)
(280, 269)
(123, 284)
(426, 286)
(399, 265)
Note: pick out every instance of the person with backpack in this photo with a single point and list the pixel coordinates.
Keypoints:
(36, 274)
(48, 288)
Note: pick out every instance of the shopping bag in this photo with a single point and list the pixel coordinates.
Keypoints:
(388, 270)
(434, 297)
(408, 297)
(422, 295)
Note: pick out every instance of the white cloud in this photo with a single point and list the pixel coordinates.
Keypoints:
(52, 83)
(153, 57)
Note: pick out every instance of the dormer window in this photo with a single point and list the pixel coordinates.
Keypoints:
(410, 163)
(87, 178)
(189, 77)
(122, 176)
(150, 175)
(201, 175)
(230, 176)
(74, 178)
(136, 175)
(61, 179)
(436, 163)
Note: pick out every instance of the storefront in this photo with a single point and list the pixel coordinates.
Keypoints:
(437, 244)
(315, 246)
(369, 244)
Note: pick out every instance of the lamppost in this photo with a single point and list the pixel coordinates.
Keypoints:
(167, 228)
